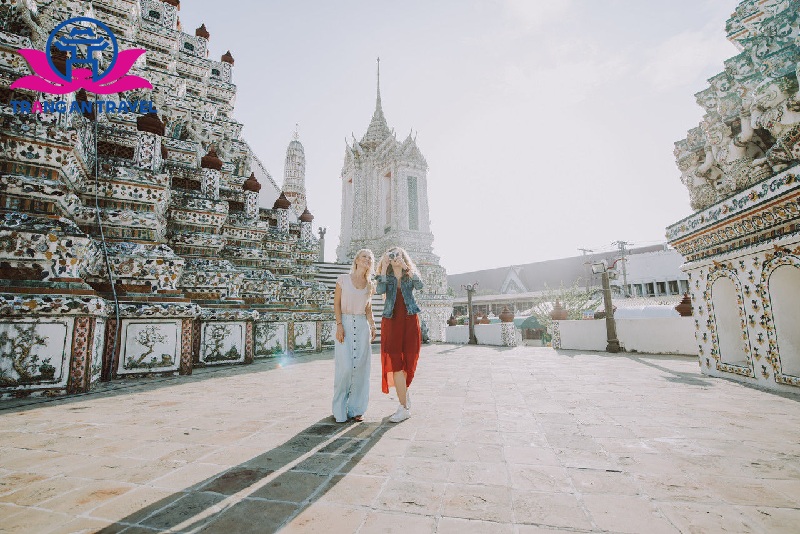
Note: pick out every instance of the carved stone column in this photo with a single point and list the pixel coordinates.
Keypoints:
(281, 207)
(147, 154)
(306, 219)
(211, 166)
(251, 188)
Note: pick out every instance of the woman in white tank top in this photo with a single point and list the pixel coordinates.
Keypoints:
(355, 329)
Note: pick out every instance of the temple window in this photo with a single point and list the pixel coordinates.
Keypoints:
(673, 287)
(413, 204)
(387, 212)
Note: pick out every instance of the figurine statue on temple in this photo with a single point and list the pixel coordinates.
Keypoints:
(733, 153)
(776, 108)
(701, 186)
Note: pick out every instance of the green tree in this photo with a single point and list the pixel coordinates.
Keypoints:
(574, 299)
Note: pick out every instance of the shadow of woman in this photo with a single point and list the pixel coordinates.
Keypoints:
(266, 492)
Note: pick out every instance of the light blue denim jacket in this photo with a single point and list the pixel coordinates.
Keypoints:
(388, 284)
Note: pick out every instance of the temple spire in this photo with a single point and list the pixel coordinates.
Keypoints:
(378, 130)
(378, 100)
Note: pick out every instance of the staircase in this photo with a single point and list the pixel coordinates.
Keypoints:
(327, 274)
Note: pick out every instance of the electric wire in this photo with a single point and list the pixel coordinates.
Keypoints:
(104, 245)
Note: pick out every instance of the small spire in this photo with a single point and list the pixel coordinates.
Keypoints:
(378, 101)
(296, 135)
(378, 130)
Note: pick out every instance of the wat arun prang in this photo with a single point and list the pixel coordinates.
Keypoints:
(742, 244)
(134, 244)
(385, 204)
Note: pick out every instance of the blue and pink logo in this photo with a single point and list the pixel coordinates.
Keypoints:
(84, 40)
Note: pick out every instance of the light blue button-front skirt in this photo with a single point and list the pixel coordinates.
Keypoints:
(352, 367)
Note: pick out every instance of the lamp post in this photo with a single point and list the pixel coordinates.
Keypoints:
(611, 326)
(470, 289)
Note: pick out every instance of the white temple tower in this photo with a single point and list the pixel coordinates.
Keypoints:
(385, 204)
(294, 175)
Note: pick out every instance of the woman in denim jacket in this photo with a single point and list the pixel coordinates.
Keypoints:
(400, 331)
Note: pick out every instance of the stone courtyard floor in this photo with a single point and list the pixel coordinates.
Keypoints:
(521, 440)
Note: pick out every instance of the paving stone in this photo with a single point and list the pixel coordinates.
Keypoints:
(549, 509)
(32, 520)
(235, 480)
(625, 513)
(413, 496)
(395, 523)
(457, 525)
(250, 517)
(352, 489)
(321, 518)
(181, 510)
(491, 503)
(292, 486)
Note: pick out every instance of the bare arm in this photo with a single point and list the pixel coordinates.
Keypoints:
(337, 309)
(371, 320)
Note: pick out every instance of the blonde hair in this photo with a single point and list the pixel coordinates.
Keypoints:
(370, 271)
(412, 267)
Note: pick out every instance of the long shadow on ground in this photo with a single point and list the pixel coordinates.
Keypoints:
(266, 492)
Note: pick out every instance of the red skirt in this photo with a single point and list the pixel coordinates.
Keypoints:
(401, 340)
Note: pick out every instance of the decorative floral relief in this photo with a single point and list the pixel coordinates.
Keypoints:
(305, 336)
(222, 343)
(151, 346)
(26, 305)
(270, 339)
(33, 353)
(159, 310)
(327, 333)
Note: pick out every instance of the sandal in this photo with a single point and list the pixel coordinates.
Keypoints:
(358, 418)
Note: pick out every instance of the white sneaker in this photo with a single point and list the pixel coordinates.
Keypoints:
(401, 414)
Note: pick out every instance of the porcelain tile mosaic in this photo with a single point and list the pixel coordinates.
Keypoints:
(132, 243)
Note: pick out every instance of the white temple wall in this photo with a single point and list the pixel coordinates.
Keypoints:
(746, 313)
(662, 335)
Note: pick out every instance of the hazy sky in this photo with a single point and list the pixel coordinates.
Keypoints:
(547, 125)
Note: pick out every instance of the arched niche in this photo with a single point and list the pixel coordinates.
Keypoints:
(783, 288)
(730, 330)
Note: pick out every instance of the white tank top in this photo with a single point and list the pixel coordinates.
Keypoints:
(354, 301)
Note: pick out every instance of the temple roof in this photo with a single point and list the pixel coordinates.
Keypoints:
(536, 276)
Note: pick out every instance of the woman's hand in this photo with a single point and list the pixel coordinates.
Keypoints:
(383, 265)
(373, 332)
(339, 333)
